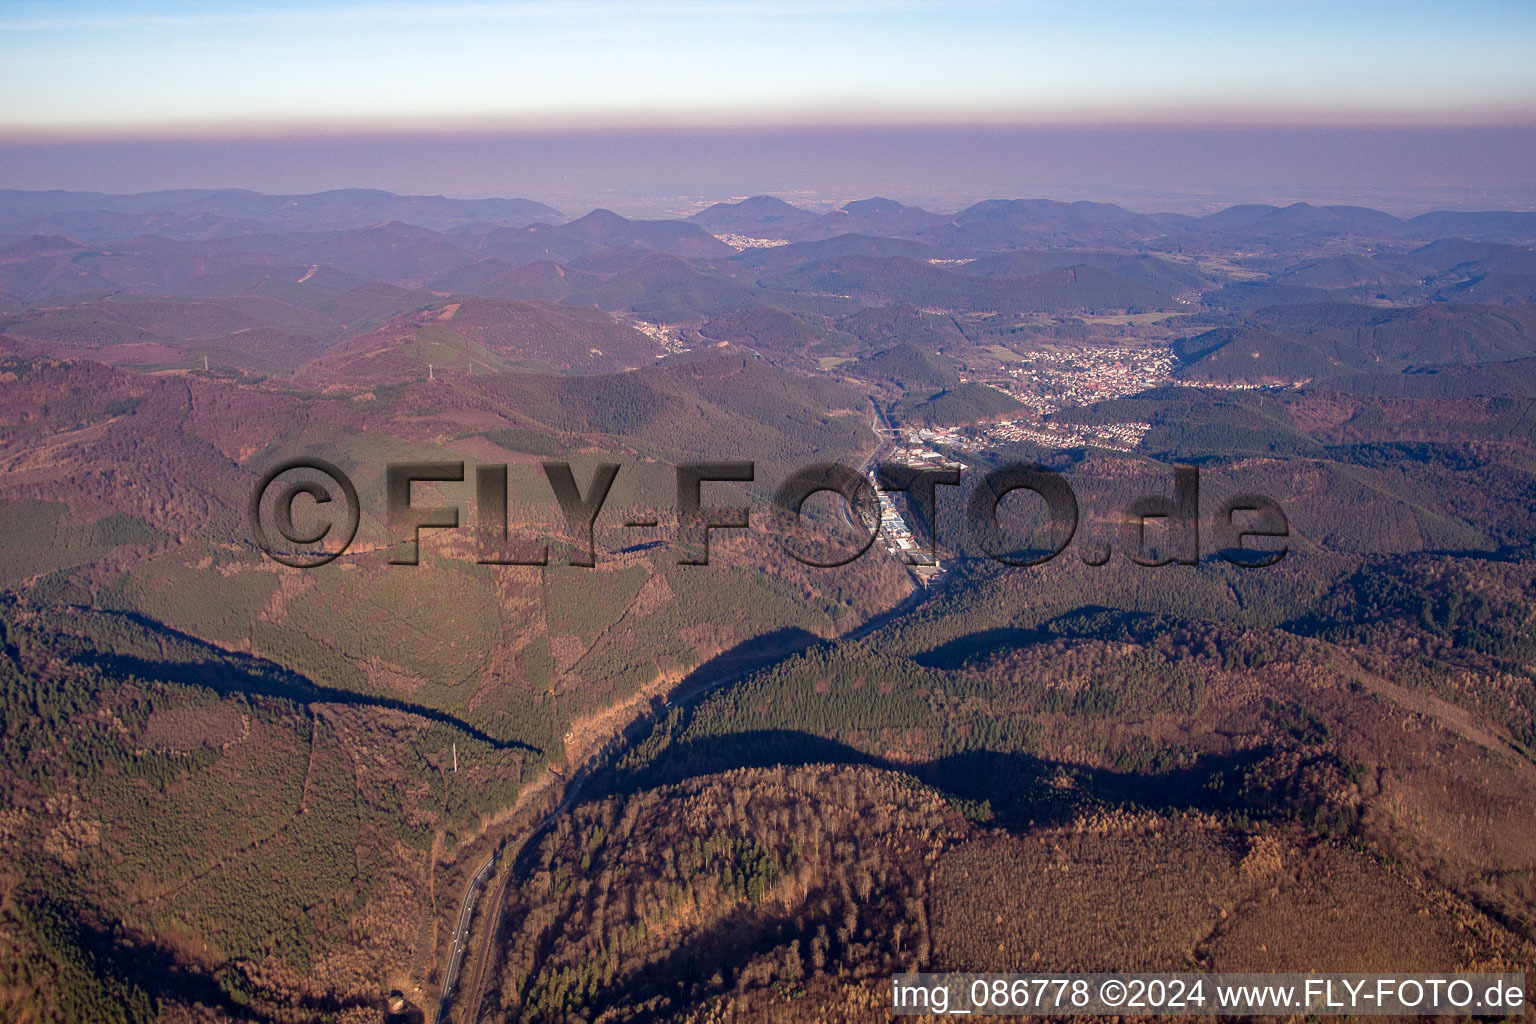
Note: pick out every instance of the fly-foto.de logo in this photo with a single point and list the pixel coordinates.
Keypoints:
(306, 512)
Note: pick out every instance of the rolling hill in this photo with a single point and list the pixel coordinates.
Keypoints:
(906, 365)
(757, 217)
(477, 335)
(678, 238)
(901, 279)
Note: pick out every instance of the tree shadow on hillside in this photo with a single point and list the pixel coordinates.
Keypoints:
(750, 655)
(233, 672)
(1023, 790)
(1088, 622)
(1020, 788)
(957, 652)
(703, 966)
(116, 956)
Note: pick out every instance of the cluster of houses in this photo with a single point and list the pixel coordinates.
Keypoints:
(1243, 385)
(670, 338)
(916, 445)
(1049, 380)
(1121, 437)
(1054, 379)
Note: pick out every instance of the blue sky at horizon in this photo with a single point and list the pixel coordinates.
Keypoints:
(99, 67)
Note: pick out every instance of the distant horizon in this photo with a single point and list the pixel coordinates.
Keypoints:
(672, 172)
(105, 65)
(812, 204)
(657, 108)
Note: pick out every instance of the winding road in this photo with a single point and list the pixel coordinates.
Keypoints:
(461, 934)
(685, 693)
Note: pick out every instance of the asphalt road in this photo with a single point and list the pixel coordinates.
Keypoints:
(461, 935)
(885, 435)
(572, 792)
(580, 777)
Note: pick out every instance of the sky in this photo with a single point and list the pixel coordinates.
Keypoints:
(959, 98)
(100, 66)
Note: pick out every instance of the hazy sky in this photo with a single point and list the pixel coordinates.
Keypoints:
(100, 66)
(653, 107)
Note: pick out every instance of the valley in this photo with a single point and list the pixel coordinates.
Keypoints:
(473, 791)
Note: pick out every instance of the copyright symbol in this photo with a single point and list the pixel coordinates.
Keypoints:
(318, 480)
(1112, 992)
